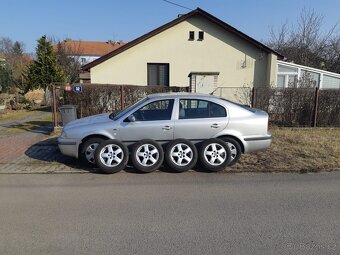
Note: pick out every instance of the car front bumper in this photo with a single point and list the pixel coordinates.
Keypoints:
(68, 147)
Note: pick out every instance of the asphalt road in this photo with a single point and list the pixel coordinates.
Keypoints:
(164, 213)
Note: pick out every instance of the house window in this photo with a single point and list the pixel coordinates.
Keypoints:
(83, 60)
(191, 35)
(158, 74)
(200, 35)
(281, 81)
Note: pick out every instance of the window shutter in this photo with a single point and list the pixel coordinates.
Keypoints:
(163, 75)
(152, 74)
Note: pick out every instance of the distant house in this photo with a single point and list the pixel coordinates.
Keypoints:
(289, 75)
(87, 51)
(196, 50)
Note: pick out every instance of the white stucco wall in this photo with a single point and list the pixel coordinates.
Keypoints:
(238, 62)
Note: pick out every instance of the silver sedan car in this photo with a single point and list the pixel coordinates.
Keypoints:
(164, 118)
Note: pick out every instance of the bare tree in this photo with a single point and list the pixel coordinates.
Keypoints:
(68, 56)
(306, 43)
(16, 61)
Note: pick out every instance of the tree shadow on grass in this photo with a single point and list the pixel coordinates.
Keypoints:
(42, 109)
(41, 127)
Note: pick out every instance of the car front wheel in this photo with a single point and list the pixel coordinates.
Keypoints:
(88, 149)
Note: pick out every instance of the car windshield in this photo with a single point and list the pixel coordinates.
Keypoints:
(124, 111)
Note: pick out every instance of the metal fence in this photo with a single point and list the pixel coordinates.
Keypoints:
(98, 98)
(291, 107)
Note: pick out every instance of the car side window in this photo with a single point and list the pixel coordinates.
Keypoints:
(195, 109)
(157, 110)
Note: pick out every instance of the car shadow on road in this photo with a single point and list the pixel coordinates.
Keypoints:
(47, 151)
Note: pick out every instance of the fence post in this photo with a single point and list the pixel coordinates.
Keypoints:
(253, 97)
(316, 105)
(54, 107)
(121, 97)
(81, 108)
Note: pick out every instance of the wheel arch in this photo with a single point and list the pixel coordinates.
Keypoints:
(93, 136)
(235, 138)
(86, 138)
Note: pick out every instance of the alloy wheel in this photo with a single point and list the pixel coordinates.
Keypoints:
(147, 155)
(111, 155)
(215, 154)
(181, 154)
(89, 152)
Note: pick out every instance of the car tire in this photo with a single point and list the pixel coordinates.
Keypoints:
(214, 154)
(181, 155)
(111, 156)
(147, 155)
(88, 149)
(235, 149)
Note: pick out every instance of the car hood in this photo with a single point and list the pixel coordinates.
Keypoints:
(95, 119)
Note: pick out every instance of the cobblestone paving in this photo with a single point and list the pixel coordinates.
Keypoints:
(34, 154)
(34, 151)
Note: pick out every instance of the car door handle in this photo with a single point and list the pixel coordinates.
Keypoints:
(215, 125)
(166, 128)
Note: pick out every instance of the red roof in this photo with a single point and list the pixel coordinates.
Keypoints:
(88, 48)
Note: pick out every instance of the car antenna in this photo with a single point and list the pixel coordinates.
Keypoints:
(212, 93)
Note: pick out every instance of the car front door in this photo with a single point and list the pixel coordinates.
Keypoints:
(199, 119)
(151, 121)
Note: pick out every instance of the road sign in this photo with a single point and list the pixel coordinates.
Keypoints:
(77, 88)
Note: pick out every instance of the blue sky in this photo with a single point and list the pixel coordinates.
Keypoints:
(102, 20)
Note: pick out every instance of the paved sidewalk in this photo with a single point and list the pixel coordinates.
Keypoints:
(32, 150)
(34, 154)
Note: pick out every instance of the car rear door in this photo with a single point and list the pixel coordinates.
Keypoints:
(199, 119)
(152, 121)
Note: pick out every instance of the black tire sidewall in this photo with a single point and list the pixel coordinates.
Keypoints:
(207, 165)
(120, 166)
(137, 165)
(169, 161)
(237, 146)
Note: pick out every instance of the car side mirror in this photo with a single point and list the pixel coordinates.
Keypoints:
(132, 118)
